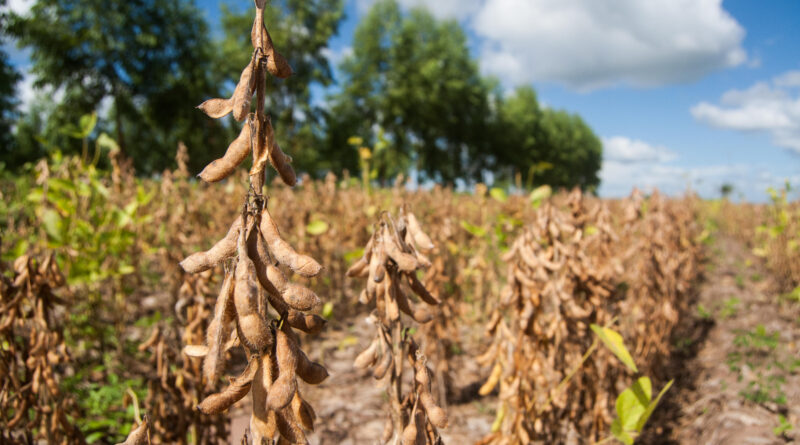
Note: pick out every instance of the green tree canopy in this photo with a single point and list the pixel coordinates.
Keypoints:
(411, 80)
(8, 100)
(150, 59)
(545, 146)
(412, 88)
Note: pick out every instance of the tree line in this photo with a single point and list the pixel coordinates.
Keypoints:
(409, 88)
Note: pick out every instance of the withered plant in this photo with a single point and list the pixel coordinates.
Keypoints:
(390, 263)
(33, 406)
(250, 253)
(558, 284)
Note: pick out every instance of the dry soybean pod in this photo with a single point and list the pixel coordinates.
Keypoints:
(216, 107)
(367, 357)
(224, 314)
(420, 289)
(392, 307)
(308, 323)
(420, 315)
(386, 361)
(283, 251)
(405, 262)
(310, 372)
(256, 34)
(139, 436)
(253, 329)
(262, 420)
(243, 93)
(282, 390)
(278, 158)
(236, 153)
(420, 238)
(357, 268)
(288, 427)
(296, 296)
(303, 412)
(219, 252)
(435, 414)
(377, 271)
(238, 388)
(276, 64)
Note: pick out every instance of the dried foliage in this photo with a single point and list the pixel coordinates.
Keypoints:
(390, 263)
(33, 406)
(571, 268)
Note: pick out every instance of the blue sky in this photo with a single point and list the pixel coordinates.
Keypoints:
(683, 92)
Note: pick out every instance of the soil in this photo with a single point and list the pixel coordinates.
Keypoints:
(736, 360)
(736, 364)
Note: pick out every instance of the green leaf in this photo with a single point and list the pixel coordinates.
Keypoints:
(327, 310)
(652, 406)
(643, 389)
(355, 140)
(317, 227)
(620, 433)
(480, 232)
(498, 194)
(540, 194)
(614, 342)
(87, 124)
(104, 141)
(51, 221)
(630, 409)
(353, 255)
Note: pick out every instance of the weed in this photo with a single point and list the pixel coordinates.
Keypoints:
(730, 307)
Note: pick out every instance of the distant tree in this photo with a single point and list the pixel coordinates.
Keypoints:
(412, 81)
(148, 62)
(301, 30)
(545, 146)
(9, 77)
(725, 190)
(573, 150)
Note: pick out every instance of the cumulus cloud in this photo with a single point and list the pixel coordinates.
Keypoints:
(626, 151)
(20, 7)
(589, 44)
(25, 91)
(788, 79)
(619, 178)
(770, 107)
(586, 44)
(443, 9)
(629, 163)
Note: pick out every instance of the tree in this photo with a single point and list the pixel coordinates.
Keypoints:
(573, 150)
(411, 80)
(8, 100)
(302, 30)
(149, 59)
(546, 146)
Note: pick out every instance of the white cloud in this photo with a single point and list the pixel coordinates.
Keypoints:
(749, 181)
(589, 44)
(629, 163)
(20, 7)
(443, 9)
(770, 107)
(25, 91)
(626, 151)
(788, 79)
(335, 56)
(586, 44)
